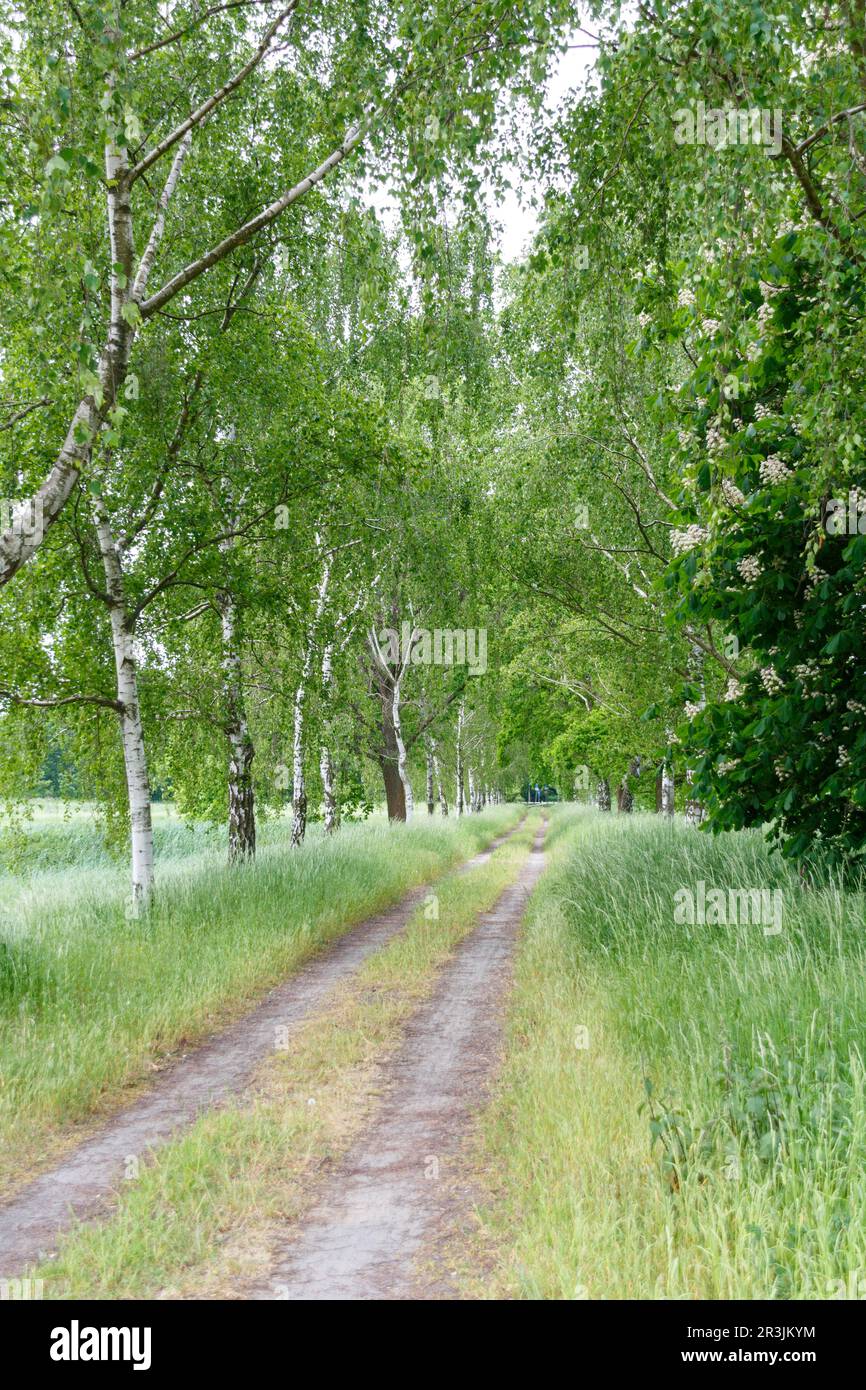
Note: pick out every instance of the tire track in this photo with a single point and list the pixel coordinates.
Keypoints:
(387, 1201)
(81, 1187)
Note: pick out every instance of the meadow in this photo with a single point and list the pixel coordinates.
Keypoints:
(93, 1000)
(681, 1114)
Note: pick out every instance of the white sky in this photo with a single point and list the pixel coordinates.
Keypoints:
(519, 220)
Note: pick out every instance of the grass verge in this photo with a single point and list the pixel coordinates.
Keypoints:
(681, 1113)
(201, 1219)
(91, 1004)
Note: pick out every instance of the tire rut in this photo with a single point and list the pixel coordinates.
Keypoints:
(387, 1201)
(81, 1187)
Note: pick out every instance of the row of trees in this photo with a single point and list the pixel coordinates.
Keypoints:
(294, 493)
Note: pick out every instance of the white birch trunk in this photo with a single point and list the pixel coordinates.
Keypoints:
(241, 793)
(437, 773)
(431, 800)
(667, 807)
(299, 785)
(461, 719)
(326, 761)
(401, 748)
(694, 808)
(132, 731)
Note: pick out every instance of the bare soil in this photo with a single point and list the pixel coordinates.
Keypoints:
(387, 1206)
(82, 1186)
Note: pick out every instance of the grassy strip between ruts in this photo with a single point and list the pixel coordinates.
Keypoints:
(201, 1219)
(91, 1004)
(742, 1174)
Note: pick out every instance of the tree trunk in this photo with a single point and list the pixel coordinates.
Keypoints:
(394, 791)
(461, 719)
(326, 761)
(242, 807)
(694, 808)
(132, 731)
(437, 773)
(667, 784)
(299, 782)
(299, 786)
(602, 795)
(431, 802)
(408, 798)
(625, 796)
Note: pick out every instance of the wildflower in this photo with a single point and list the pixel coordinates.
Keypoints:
(686, 299)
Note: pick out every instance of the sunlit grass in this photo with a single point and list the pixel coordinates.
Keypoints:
(752, 1044)
(88, 999)
(201, 1218)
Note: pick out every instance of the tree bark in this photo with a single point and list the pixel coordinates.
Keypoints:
(326, 761)
(667, 785)
(437, 772)
(131, 728)
(461, 719)
(299, 783)
(431, 803)
(394, 792)
(602, 795)
(695, 808)
(408, 798)
(242, 808)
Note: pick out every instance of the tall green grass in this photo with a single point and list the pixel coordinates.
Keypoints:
(682, 1110)
(89, 999)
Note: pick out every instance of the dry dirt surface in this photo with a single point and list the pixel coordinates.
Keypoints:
(386, 1207)
(81, 1187)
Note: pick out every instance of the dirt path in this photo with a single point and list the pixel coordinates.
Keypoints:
(389, 1200)
(81, 1186)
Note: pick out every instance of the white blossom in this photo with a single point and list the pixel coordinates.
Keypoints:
(750, 568)
(732, 494)
(681, 541)
(773, 470)
(771, 680)
(715, 437)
